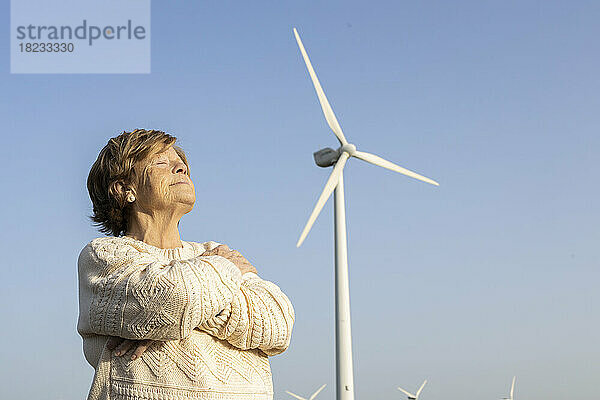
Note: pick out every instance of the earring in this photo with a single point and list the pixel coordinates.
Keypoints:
(130, 198)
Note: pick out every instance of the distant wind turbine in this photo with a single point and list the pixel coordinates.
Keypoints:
(311, 397)
(512, 390)
(337, 158)
(413, 396)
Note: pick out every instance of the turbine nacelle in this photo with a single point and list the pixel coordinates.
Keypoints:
(327, 157)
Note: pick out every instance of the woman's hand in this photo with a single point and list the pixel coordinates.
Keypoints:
(122, 346)
(232, 255)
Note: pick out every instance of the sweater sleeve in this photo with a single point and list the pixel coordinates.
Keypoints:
(260, 316)
(136, 296)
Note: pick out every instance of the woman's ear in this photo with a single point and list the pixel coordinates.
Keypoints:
(119, 187)
(121, 193)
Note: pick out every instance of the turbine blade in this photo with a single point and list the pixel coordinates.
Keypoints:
(317, 392)
(329, 115)
(329, 186)
(512, 388)
(406, 393)
(373, 159)
(295, 395)
(421, 388)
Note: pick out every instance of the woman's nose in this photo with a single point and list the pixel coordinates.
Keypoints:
(180, 168)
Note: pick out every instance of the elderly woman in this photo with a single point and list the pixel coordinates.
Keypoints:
(162, 318)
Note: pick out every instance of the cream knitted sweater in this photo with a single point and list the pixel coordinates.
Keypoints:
(212, 327)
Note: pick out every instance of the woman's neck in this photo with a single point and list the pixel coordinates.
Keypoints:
(155, 231)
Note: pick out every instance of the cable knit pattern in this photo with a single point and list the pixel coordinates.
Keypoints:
(212, 327)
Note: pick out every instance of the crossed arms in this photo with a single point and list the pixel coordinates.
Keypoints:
(136, 296)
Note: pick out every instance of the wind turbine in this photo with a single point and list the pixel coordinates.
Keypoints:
(326, 158)
(512, 390)
(413, 396)
(311, 397)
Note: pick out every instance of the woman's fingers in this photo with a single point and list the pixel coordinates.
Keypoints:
(232, 255)
(222, 249)
(124, 347)
(217, 251)
(140, 349)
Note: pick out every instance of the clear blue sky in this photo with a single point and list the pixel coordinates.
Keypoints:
(490, 275)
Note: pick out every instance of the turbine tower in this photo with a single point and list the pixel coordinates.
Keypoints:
(326, 158)
(512, 390)
(311, 397)
(413, 396)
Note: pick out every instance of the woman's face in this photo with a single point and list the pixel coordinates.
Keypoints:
(164, 184)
